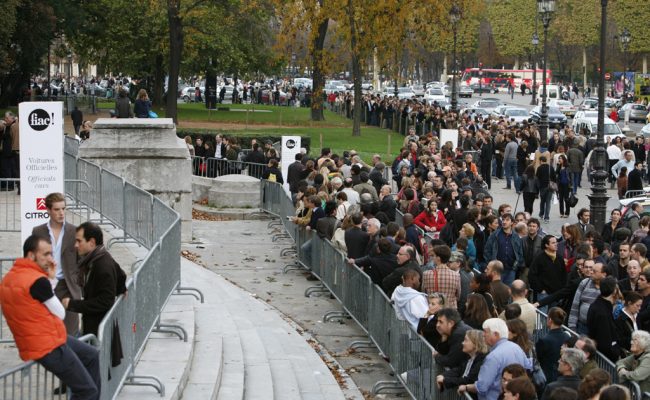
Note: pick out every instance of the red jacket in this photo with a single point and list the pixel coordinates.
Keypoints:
(36, 330)
(426, 219)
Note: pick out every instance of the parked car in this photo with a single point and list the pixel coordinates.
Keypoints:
(488, 103)
(645, 131)
(189, 94)
(589, 104)
(590, 125)
(433, 94)
(418, 90)
(638, 112)
(367, 86)
(499, 111)
(565, 106)
(465, 91)
(586, 114)
(516, 114)
(555, 117)
(405, 93)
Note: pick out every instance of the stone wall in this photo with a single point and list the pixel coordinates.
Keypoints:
(147, 153)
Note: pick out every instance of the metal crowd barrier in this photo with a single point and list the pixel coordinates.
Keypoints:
(9, 205)
(213, 167)
(603, 362)
(5, 334)
(31, 381)
(145, 220)
(411, 357)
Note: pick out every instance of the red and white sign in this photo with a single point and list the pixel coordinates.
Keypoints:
(40, 204)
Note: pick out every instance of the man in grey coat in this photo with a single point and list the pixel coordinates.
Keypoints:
(62, 235)
(576, 160)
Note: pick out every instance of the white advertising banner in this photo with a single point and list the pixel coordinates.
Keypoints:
(449, 135)
(290, 147)
(41, 160)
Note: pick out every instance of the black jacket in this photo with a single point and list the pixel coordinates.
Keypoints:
(602, 328)
(454, 376)
(427, 328)
(395, 278)
(356, 242)
(571, 382)
(293, 175)
(378, 266)
(450, 352)
(548, 349)
(635, 180)
(388, 205)
(546, 274)
(103, 280)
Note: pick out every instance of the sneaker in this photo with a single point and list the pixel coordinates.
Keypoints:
(506, 188)
(404, 376)
(546, 220)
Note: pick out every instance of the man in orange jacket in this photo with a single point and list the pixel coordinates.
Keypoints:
(35, 317)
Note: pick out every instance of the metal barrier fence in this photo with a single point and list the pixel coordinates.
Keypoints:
(31, 381)
(152, 224)
(214, 167)
(411, 357)
(9, 205)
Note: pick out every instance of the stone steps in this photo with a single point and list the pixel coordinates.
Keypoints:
(242, 349)
(165, 356)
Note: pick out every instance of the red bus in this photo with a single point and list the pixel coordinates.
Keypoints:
(501, 77)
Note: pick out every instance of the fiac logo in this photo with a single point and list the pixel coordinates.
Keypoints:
(40, 203)
(39, 119)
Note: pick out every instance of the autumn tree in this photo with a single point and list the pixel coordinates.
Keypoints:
(634, 15)
(512, 23)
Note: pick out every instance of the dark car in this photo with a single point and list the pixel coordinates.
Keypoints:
(556, 119)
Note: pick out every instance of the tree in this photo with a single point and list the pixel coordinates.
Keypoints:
(633, 15)
(513, 26)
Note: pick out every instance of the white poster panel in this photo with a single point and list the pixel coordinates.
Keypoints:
(41, 160)
(449, 135)
(290, 147)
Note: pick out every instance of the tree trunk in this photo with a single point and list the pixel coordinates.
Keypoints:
(175, 53)
(356, 72)
(584, 69)
(159, 82)
(318, 77)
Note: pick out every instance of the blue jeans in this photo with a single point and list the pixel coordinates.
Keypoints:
(576, 177)
(510, 167)
(545, 201)
(76, 364)
(508, 276)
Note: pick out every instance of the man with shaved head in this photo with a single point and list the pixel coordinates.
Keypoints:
(519, 293)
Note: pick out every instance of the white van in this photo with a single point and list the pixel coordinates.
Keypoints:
(553, 92)
(590, 124)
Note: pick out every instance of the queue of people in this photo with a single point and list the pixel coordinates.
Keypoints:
(469, 276)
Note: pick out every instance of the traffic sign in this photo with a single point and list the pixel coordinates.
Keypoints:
(608, 76)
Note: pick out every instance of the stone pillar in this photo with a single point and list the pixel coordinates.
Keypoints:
(147, 153)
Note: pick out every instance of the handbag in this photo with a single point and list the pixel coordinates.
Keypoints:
(537, 376)
(552, 186)
(572, 200)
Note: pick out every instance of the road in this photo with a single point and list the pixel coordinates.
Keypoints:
(524, 101)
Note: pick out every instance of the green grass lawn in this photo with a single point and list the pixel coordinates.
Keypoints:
(335, 132)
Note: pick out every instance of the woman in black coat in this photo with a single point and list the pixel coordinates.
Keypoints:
(467, 373)
(427, 325)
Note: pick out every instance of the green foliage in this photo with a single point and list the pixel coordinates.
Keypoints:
(633, 15)
(577, 22)
(513, 25)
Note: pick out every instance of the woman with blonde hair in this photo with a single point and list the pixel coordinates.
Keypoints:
(142, 106)
(467, 373)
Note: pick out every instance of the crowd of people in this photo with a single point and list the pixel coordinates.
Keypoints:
(470, 276)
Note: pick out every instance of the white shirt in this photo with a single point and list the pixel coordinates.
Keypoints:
(613, 152)
(353, 196)
(56, 249)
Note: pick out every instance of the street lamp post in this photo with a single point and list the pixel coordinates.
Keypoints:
(545, 8)
(535, 42)
(454, 17)
(598, 197)
(625, 41)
